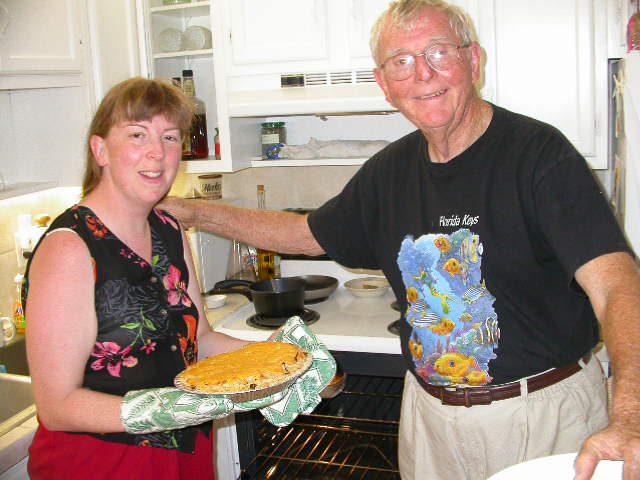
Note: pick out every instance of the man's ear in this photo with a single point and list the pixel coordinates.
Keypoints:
(382, 82)
(98, 149)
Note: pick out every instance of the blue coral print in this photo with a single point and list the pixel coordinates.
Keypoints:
(454, 326)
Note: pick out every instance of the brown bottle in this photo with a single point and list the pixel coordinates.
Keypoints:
(195, 144)
(268, 261)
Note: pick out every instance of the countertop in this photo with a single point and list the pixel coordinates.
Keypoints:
(14, 445)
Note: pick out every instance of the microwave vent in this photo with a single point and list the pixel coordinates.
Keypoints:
(341, 77)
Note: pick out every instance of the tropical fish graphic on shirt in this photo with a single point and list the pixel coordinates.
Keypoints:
(450, 309)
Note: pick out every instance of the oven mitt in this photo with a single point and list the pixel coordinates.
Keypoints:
(304, 395)
(160, 409)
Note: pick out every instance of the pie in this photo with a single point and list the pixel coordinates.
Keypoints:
(254, 367)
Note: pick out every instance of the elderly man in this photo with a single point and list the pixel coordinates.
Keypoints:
(503, 254)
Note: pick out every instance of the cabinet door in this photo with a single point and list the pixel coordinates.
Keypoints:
(114, 42)
(549, 62)
(278, 30)
(362, 16)
(40, 36)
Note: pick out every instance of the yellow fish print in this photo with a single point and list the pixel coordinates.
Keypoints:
(416, 349)
(442, 244)
(476, 378)
(444, 327)
(454, 366)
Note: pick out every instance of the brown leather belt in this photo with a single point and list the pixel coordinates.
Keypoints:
(469, 396)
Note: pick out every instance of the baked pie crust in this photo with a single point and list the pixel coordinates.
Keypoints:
(256, 367)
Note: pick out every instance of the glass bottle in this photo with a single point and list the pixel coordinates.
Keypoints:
(195, 144)
(268, 261)
(18, 312)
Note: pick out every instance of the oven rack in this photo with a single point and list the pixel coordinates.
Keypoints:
(354, 436)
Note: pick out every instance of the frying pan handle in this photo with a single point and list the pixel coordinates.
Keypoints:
(233, 283)
(215, 291)
(225, 286)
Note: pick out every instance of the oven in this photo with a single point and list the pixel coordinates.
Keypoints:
(351, 436)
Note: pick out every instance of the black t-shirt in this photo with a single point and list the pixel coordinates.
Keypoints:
(480, 251)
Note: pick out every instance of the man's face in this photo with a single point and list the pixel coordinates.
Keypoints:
(432, 100)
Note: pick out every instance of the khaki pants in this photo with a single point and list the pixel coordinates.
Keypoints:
(444, 442)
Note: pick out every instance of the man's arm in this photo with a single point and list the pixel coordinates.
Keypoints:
(612, 283)
(283, 232)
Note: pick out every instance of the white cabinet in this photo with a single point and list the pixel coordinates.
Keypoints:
(169, 59)
(548, 59)
(115, 46)
(41, 44)
(362, 14)
(278, 30)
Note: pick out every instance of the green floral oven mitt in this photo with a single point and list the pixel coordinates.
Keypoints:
(160, 409)
(304, 395)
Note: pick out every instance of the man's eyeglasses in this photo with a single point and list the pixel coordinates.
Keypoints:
(440, 56)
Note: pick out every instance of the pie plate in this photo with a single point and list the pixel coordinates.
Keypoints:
(249, 395)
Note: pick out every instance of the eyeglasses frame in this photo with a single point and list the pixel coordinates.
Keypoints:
(425, 54)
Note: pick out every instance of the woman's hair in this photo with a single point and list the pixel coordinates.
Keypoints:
(405, 14)
(135, 99)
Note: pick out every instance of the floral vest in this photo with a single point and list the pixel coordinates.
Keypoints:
(147, 323)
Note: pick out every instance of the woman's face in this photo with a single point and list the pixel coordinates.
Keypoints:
(140, 159)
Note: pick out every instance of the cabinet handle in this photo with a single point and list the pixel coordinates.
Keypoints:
(4, 19)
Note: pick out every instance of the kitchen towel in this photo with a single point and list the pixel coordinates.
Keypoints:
(304, 395)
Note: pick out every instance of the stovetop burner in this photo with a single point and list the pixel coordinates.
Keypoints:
(308, 316)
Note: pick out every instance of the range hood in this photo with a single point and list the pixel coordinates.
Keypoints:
(322, 93)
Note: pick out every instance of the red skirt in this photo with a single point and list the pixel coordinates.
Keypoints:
(60, 455)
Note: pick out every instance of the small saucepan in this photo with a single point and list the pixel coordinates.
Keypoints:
(277, 298)
(318, 287)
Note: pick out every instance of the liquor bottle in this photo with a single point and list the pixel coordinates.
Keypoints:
(268, 261)
(195, 144)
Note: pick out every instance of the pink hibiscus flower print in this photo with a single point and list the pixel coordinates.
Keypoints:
(165, 218)
(148, 347)
(176, 287)
(110, 356)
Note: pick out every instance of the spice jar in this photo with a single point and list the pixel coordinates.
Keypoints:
(272, 135)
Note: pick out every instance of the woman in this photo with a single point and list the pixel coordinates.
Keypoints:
(113, 304)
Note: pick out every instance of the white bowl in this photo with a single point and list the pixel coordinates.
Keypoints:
(557, 467)
(215, 301)
(367, 287)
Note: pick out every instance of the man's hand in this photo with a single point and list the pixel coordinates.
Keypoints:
(183, 210)
(615, 442)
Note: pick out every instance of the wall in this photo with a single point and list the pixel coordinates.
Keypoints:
(52, 202)
(284, 186)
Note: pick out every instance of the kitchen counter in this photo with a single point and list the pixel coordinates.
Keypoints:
(14, 446)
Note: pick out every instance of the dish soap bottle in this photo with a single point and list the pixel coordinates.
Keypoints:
(18, 312)
(268, 261)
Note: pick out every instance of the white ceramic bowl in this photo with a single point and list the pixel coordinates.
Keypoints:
(215, 301)
(557, 467)
(367, 287)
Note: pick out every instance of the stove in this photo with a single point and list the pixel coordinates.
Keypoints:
(353, 435)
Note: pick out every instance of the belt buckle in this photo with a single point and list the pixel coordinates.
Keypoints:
(472, 396)
(476, 396)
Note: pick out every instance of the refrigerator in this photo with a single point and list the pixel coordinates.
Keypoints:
(630, 191)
